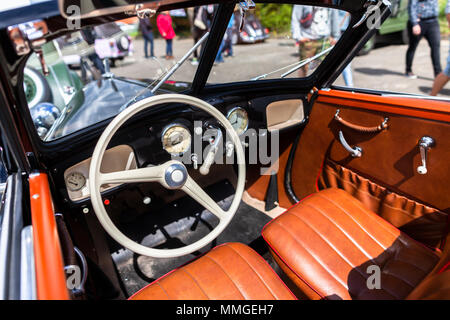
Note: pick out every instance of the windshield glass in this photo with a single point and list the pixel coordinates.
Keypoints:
(277, 41)
(94, 73)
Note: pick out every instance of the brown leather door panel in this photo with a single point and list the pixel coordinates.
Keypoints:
(390, 158)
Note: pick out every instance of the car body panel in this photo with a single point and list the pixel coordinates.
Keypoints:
(398, 19)
(253, 31)
(50, 277)
(65, 85)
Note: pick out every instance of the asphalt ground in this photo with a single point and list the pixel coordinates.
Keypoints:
(382, 69)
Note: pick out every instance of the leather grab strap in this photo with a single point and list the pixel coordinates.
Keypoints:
(381, 127)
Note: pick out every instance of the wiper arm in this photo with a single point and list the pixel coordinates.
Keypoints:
(180, 63)
(168, 73)
(296, 66)
(265, 75)
(306, 61)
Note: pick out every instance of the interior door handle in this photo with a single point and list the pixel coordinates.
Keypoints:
(425, 144)
(356, 152)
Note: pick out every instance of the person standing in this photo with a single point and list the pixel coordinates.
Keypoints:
(229, 37)
(443, 77)
(202, 20)
(164, 23)
(314, 28)
(147, 33)
(344, 20)
(89, 36)
(423, 22)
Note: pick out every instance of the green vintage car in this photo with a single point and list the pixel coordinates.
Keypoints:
(395, 24)
(62, 87)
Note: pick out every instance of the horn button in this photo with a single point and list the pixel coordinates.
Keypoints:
(176, 176)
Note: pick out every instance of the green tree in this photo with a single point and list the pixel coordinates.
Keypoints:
(275, 16)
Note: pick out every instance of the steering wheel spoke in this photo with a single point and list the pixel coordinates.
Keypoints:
(198, 194)
(149, 174)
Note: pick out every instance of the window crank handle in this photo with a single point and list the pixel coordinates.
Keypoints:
(425, 144)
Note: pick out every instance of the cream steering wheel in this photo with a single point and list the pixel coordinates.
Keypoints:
(172, 175)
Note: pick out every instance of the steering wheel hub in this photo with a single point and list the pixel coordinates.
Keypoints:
(175, 176)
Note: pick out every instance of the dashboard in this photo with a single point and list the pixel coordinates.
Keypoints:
(154, 138)
(176, 139)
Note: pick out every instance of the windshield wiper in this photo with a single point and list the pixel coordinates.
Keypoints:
(295, 66)
(165, 76)
(180, 63)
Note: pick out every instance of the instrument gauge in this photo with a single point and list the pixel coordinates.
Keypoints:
(176, 139)
(75, 181)
(238, 118)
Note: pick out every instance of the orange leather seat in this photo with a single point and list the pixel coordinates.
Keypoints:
(231, 271)
(330, 246)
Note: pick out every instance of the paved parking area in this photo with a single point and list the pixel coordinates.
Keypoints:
(381, 69)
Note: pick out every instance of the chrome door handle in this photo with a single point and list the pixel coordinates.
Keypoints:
(425, 144)
(355, 152)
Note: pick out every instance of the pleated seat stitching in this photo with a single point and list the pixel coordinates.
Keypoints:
(362, 228)
(254, 271)
(239, 290)
(160, 285)
(357, 204)
(320, 262)
(350, 238)
(196, 282)
(357, 245)
(365, 276)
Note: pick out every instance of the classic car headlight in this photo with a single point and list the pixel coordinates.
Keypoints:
(44, 116)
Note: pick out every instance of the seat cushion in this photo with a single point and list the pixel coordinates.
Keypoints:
(330, 245)
(231, 271)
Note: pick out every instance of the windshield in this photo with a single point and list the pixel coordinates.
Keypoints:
(277, 41)
(94, 73)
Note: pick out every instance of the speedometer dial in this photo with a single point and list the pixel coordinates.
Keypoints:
(176, 139)
(238, 118)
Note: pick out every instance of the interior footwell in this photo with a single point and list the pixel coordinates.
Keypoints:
(137, 271)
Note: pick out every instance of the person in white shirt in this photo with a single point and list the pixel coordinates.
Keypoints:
(314, 28)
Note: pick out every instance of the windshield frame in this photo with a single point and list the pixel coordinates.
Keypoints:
(199, 86)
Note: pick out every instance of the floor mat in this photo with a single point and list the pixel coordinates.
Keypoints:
(172, 230)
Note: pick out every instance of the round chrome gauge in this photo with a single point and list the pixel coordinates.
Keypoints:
(176, 139)
(75, 181)
(238, 118)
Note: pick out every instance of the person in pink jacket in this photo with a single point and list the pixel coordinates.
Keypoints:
(164, 23)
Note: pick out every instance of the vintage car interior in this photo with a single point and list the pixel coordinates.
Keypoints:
(110, 196)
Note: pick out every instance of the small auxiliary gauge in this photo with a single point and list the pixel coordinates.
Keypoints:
(75, 181)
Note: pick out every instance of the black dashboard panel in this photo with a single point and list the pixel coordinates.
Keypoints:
(143, 134)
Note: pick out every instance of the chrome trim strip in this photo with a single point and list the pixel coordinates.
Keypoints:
(27, 267)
